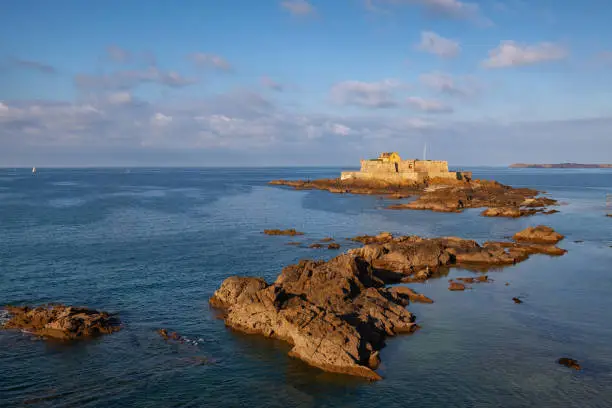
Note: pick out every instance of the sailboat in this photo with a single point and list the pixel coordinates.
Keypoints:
(33, 171)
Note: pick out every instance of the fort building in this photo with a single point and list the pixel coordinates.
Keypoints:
(390, 167)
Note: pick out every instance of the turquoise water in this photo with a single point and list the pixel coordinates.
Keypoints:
(154, 244)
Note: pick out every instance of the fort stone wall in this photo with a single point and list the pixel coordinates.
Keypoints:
(431, 166)
(403, 170)
(375, 166)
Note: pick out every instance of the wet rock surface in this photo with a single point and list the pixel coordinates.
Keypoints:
(290, 232)
(500, 200)
(61, 322)
(354, 186)
(336, 314)
(440, 195)
(456, 286)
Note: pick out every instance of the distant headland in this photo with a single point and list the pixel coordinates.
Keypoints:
(560, 166)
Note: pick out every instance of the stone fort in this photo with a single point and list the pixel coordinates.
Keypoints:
(391, 168)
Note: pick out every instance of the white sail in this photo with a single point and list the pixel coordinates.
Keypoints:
(33, 170)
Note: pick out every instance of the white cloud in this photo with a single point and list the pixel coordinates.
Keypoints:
(131, 79)
(366, 94)
(340, 129)
(298, 7)
(203, 60)
(428, 105)
(159, 119)
(228, 130)
(512, 54)
(271, 84)
(435, 44)
(449, 85)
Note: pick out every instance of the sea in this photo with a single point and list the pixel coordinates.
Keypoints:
(153, 245)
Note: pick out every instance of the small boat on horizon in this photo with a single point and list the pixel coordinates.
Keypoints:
(33, 171)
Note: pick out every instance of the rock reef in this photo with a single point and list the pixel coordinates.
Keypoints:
(337, 314)
(61, 322)
(290, 232)
(440, 195)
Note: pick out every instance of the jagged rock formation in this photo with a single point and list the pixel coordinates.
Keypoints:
(61, 322)
(337, 314)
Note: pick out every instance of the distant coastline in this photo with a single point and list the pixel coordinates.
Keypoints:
(560, 166)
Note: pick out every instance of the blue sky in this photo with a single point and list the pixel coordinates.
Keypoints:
(296, 82)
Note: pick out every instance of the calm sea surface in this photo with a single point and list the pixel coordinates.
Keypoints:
(153, 245)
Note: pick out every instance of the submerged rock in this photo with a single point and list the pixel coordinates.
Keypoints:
(333, 245)
(291, 232)
(456, 286)
(61, 321)
(517, 300)
(406, 292)
(478, 279)
(373, 239)
(315, 245)
(569, 362)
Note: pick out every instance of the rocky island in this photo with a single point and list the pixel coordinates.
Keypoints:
(61, 322)
(432, 185)
(337, 314)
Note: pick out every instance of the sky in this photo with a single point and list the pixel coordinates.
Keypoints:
(297, 82)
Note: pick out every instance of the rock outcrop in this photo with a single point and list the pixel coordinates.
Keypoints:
(540, 234)
(440, 195)
(61, 322)
(336, 314)
(500, 200)
(569, 362)
(508, 212)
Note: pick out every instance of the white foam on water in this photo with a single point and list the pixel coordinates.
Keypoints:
(5, 316)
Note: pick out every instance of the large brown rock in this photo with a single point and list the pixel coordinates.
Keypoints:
(61, 322)
(539, 234)
(508, 212)
(333, 313)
